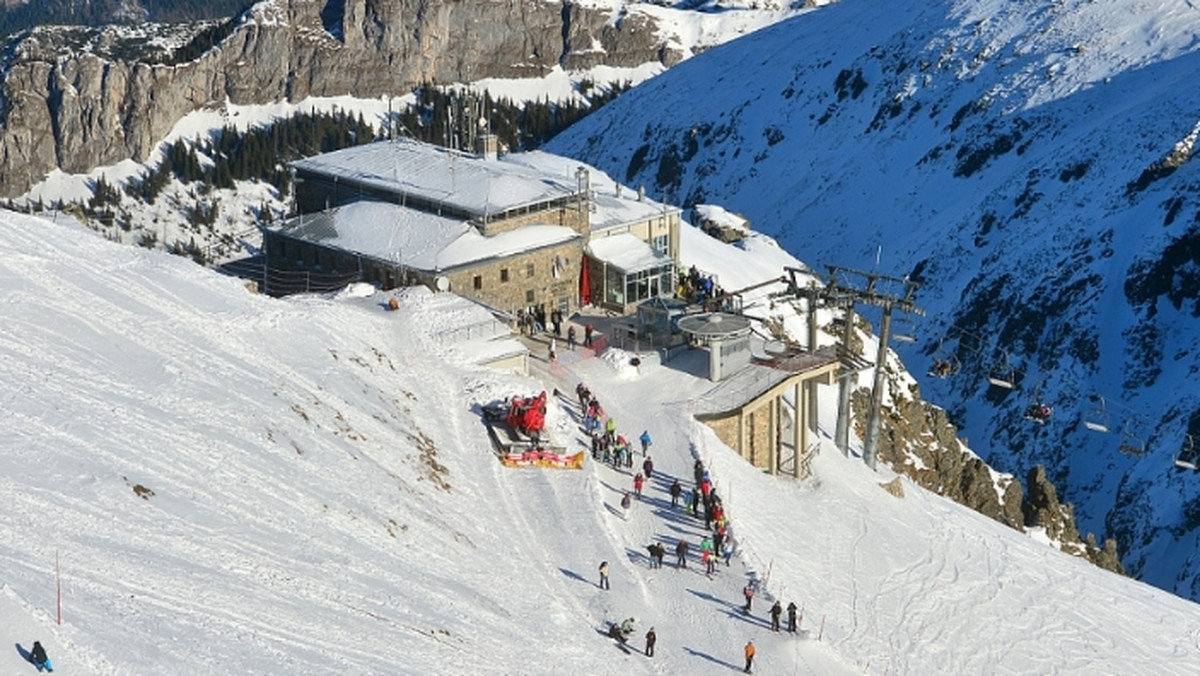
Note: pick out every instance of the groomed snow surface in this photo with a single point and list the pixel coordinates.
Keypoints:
(238, 484)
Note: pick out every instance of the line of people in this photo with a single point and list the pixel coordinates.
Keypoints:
(702, 502)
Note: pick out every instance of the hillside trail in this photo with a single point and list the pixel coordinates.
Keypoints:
(707, 608)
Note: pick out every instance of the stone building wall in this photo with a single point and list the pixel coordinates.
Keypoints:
(548, 276)
(575, 217)
(758, 434)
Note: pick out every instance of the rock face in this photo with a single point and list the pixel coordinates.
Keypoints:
(71, 101)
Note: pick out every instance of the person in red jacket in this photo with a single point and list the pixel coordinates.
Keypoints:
(638, 482)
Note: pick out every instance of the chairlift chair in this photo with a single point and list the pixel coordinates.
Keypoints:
(1003, 375)
(945, 362)
(904, 333)
(1038, 411)
(1187, 454)
(1097, 419)
(1131, 443)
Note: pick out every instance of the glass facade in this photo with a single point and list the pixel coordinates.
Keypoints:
(625, 289)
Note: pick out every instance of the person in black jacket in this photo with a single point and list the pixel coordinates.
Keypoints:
(39, 658)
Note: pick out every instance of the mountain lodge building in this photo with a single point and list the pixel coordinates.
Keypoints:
(512, 232)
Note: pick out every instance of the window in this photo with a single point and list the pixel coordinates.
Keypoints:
(478, 282)
(504, 274)
(529, 270)
(660, 243)
(529, 296)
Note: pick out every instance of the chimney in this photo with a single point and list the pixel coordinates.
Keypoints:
(641, 193)
(487, 146)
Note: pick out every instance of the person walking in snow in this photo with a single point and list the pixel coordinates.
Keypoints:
(39, 658)
(681, 551)
(710, 563)
(648, 467)
(571, 337)
(645, 439)
(610, 429)
(551, 353)
(626, 503)
(604, 575)
(638, 482)
(727, 550)
(651, 639)
(791, 617)
(676, 491)
(748, 592)
(698, 471)
(588, 329)
(749, 653)
(695, 502)
(776, 611)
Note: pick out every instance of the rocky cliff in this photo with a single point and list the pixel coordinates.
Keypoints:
(77, 98)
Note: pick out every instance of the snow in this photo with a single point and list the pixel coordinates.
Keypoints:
(303, 486)
(627, 252)
(420, 170)
(416, 238)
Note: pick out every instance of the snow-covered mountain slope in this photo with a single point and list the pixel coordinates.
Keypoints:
(302, 486)
(1029, 164)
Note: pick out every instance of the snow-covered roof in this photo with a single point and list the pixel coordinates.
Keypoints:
(379, 230)
(739, 388)
(627, 252)
(468, 182)
(415, 238)
(615, 205)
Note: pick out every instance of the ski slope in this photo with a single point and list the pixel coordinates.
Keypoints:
(236, 483)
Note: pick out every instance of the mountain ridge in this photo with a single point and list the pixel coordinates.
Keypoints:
(1028, 164)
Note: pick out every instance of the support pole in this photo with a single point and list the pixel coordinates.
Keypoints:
(874, 419)
(842, 433)
(58, 584)
(797, 433)
(813, 410)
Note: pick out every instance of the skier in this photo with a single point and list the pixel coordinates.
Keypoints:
(748, 592)
(39, 658)
(749, 651)
(681, 551)
(648, 467)
(627, 628)
(614, 631)
(626, 503)
(651, 638)
(776, 611)
(676, 490)
(792, 617)
(638, 482)
(604, 575)
(645, 439)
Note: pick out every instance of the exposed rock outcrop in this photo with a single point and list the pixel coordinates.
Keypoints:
(72, 100)
(917, 440)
